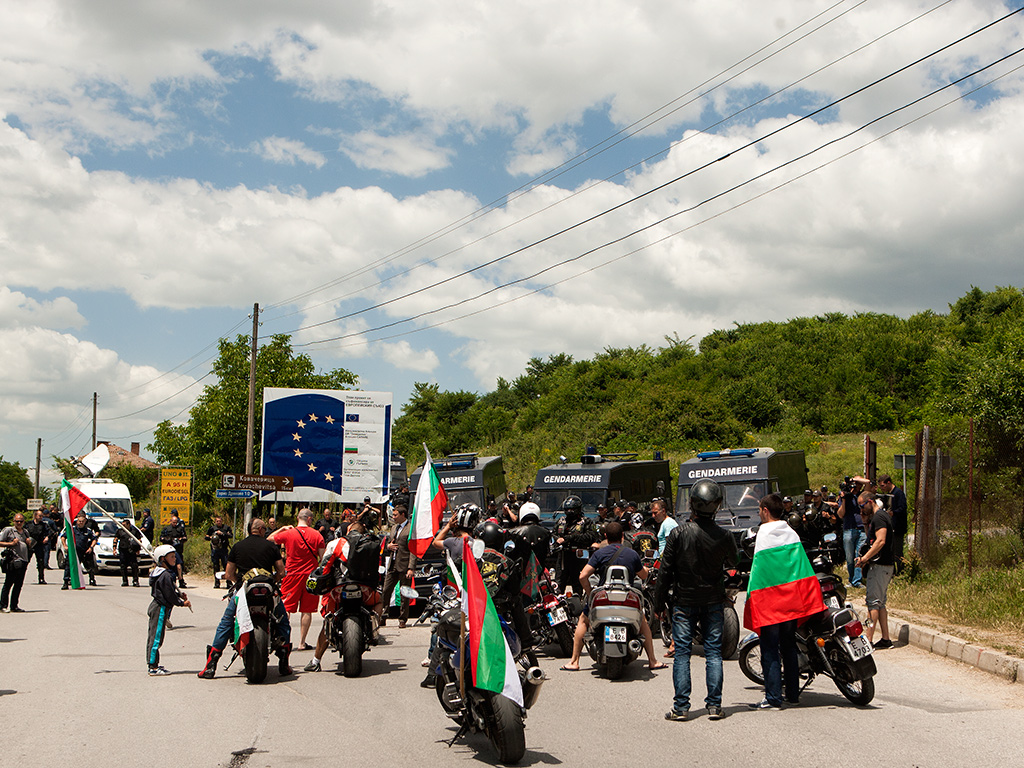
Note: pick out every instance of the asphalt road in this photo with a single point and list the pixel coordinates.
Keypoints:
(74, 690)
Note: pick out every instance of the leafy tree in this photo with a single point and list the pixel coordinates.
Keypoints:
(212, 441)
(15, 490)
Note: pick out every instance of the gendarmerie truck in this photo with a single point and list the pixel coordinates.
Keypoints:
(598, 479)
(399, 475)
(466, 478)
(746, 474)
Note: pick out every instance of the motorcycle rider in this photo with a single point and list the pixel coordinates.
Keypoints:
(573, 532)
(532, 533)
(253, 552)
(614, 553)
(693, 563)
(504, 579)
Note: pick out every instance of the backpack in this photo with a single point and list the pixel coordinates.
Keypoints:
(364, 559)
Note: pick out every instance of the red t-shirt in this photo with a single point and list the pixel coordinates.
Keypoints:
(300, 558)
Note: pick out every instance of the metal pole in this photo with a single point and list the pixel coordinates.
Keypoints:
(39, 453)
(251, 423)
(970, 500)
(94, 398)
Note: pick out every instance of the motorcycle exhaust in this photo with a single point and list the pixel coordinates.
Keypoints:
(635, 647)
(533, 678)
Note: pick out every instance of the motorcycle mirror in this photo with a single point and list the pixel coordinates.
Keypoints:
(478, 548)
(219, 575)
(408, 592)
(449, 592)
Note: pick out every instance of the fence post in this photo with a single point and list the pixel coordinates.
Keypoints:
(970, 498)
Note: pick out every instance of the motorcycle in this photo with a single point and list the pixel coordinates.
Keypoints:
(735, 582)
(262, 598)
(352, 628)
(475, 709)
(830, 643)
(554, 616)
(616, 609)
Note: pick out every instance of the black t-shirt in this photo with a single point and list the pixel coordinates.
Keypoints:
(127, 540)
(881, 520)
(601, 559)
(254, 552)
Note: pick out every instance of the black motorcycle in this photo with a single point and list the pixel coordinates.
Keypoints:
(735, 582)
(475, 709)
(261, 597)
(351, 629)
(554, 616)
(830, 643)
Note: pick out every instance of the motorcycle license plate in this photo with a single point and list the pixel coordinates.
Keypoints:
(615, 634)
(833, 602)
(859, 647)
(557, 616)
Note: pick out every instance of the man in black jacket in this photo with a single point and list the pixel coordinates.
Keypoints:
(693, 568)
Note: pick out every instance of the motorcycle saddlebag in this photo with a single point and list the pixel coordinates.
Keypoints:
(364, 559)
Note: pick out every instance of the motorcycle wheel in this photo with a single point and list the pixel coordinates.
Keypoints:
(859, 692)
(731, 633)
(506, 729)
(750, 663)
(613, 667)
(256, 652)
(666, 631)
(60, 560)
(564, 637)
(439, 684)
(351, 647)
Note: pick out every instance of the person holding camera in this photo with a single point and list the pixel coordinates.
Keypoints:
(878, 561)
(853, 529)
(219, 535)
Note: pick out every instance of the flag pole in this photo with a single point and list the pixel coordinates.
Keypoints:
(147, 547)
(462, 658)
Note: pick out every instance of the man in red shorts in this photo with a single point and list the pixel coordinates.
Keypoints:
(303, 548)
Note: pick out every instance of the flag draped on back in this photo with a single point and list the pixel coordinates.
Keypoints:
(431, 501)
(72, 501)
(243, 621)
(493, 668)
(782, 584)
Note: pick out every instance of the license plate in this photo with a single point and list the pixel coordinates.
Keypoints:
(832, 602)
(615, 634)
(859, 647)
(557, 616)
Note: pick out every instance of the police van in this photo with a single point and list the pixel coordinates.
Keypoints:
(398, 473)
(602, 479)
(745, 474)
(467, 478)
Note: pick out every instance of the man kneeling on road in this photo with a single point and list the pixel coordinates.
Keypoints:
(599, 563)
(254, 552)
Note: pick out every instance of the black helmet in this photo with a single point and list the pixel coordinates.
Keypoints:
(795, 520)
(491, 534)
(573, 506)
(467, 516)
(705, 498)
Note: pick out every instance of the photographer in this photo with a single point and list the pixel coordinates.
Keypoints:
(853, 526)
(219, 535)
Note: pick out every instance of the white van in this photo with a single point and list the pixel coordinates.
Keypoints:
(116, 501)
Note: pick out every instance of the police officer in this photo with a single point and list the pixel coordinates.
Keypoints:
(573, 532)
(175, 535)
(83, 542)
(219, 535)
(126, 547)
(147, 525)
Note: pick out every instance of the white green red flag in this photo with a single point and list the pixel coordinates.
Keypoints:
(491, 663)
(243, 621)
(72, 501)
(431, 502)
(782, 584)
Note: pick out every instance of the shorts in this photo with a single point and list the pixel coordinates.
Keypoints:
(294, 595)
(878, 579)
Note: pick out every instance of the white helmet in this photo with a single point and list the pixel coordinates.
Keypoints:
(162, 551)
(529, 513)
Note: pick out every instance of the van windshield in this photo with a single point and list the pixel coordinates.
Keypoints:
(550, 501)
(741, 500)
(116, 506)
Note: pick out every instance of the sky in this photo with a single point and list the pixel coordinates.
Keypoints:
(439, 191)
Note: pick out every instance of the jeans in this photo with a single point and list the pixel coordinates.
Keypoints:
(12, 584)
(853, 539)
(779, 657)
(226, 629)
(685, 619)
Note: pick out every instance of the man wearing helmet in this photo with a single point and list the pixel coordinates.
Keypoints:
(459, 526)
(693, 564)
(574, 532)
(531, 533)
(165, 596)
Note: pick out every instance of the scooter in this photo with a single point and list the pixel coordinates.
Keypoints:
(616, 612)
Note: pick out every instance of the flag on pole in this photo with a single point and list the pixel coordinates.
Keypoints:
(782, 583)
(72, 501)
(492, 666)
(243, 621)
(431, 501)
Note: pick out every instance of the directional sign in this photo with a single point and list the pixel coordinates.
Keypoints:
(264, 483)
(234, 493)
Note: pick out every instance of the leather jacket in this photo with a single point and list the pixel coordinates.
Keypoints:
(693, 564)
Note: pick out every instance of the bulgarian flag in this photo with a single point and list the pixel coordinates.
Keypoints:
(782, 584)
(243, 621)
(491, 659)
(72, 501)
(431, 501)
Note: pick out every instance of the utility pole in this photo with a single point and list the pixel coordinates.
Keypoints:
(251, 423)
(39, 453)
(94, 397)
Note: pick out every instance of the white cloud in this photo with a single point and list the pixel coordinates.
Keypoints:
(402, 355)
(278, 149)
(17, 309)
(410, 155)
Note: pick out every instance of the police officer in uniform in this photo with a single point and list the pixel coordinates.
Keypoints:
(126, 547)
(219, 535)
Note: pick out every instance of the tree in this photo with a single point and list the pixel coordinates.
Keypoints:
(212, 441)
(15, 490)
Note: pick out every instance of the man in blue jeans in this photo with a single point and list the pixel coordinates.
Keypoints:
(693, 565)
(853, 531)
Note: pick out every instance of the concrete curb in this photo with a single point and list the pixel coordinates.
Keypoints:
(1010, 668)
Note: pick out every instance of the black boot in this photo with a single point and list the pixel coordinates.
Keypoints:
(430, 681)
(212, 657)
(283, 668)
(216, 583)
(92, 580)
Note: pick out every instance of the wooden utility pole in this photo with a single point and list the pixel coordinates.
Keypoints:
(39, 454)
(94, 398)
(250, 426)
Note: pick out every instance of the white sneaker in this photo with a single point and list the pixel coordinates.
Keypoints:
(158, 672)
(312, 666)
(425, 662)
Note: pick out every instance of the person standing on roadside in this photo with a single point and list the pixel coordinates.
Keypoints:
(878, 560)
(401, 565)
(16, 541)
(38, 530)
(165, 597)
(176, 535)
(126, 547)
(303, 548)
(148, 525)
(83, 542)
(327, 526)
(693, 562)
(219, 535)
(898, 515)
